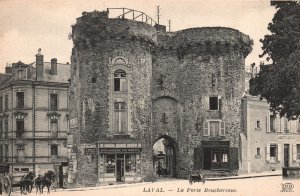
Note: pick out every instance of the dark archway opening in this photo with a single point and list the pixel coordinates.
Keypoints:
(164, 157)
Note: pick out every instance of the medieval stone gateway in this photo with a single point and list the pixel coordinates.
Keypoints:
(132, 85)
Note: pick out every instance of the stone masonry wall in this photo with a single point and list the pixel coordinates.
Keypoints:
(171, 75)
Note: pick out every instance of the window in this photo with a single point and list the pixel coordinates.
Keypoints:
(257, 151)
(285, 125)
(164, 118)
(94, 80)
(21, 74)
(298, 151)
(1, 103)
(120, 117)
(214, 128)
(20, 99)
(54, 127)
(1, 129)
(54, 150)
(110, 163)
(6, 128)
(6, 102)
(130, 164)
(1, 153)
(53, 101)
(257, 125)
(19, 128)
(120, 81)
(6, 153)
(213, 103)
(225, 158)
(272, 123)
(24, 169)
(273, 153)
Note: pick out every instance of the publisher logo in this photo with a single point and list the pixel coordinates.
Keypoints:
(287, 187)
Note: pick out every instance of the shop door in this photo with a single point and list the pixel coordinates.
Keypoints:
(207, 158)
(120, 169)
(219, 158)
(286, 155)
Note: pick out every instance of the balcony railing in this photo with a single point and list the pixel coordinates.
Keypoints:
(132, 15)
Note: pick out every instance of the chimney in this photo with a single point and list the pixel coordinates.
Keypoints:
(8, 69)
(54, 66)
(39, 65)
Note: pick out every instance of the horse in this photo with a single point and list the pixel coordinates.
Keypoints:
(26, 182)
(46, 180)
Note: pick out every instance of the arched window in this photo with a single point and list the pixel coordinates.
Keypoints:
(120, 117)
(94, 80)
(120, 83)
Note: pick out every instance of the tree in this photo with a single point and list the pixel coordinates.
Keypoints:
(279, 81)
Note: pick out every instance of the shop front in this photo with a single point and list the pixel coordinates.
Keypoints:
(119, 164)
(216, 155)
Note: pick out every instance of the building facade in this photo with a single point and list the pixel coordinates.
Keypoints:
(34, 116)
(267, 141)
(132, 85)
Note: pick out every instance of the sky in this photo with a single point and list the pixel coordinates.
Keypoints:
(26, 25)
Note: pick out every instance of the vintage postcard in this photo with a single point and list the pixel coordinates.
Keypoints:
(175, 97)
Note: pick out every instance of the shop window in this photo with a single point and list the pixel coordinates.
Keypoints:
(20, 99)
(110, 163)
(19, 128)
(54, 127)
(213, 103)
(120, 117)
(53, 101)
(54, 150)
(298, 151)
(225, 158)
(130, 164)
(272, 123)
(120, 81)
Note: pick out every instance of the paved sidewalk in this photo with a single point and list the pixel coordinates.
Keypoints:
(122, 185)
(251, 175)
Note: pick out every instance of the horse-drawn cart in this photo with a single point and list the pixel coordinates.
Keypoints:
(196, 176)
(5, 183)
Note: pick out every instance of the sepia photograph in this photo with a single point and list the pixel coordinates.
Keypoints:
(154, 97)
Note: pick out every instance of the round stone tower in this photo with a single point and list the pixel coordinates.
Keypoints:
(202, 75)
(110, 102)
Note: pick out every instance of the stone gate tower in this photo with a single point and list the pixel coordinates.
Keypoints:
(132, 85)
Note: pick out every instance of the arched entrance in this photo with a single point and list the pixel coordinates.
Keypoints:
(164, 157)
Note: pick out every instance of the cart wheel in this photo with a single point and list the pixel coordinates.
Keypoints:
(6, 186)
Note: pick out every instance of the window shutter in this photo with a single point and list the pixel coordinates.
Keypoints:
(222, 128)
(268, 123)
(278, 152)
(294, 152)
(268, 153)
(205, 128)
(278, 129)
